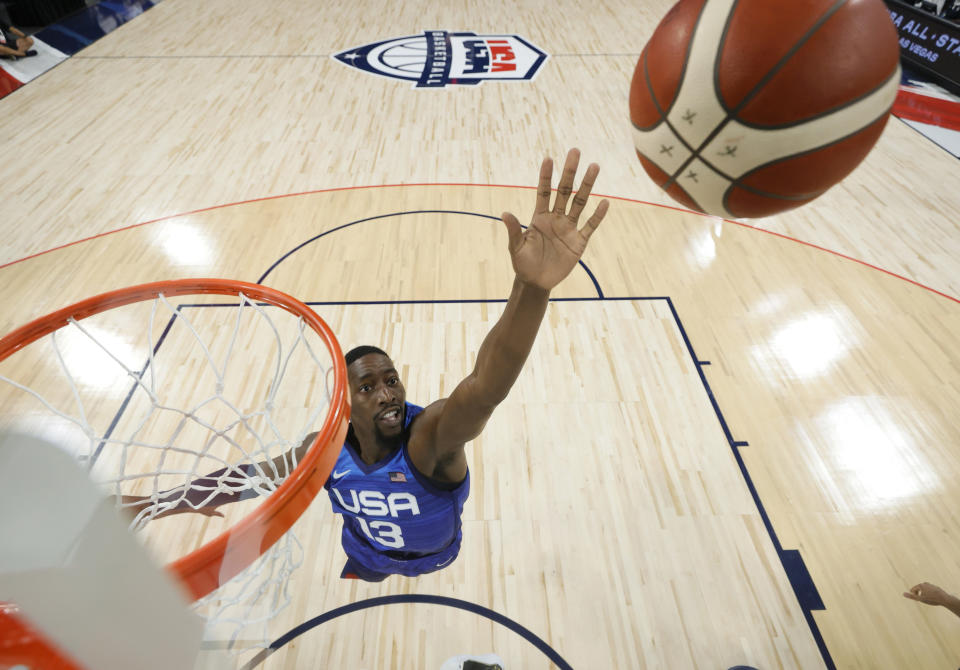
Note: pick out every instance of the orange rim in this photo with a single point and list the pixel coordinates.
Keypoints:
(205, 569)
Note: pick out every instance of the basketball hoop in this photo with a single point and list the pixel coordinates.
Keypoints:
(219, 560)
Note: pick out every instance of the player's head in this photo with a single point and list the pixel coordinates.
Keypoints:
(376, 393)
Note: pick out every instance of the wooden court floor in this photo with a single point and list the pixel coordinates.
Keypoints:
(610, 515)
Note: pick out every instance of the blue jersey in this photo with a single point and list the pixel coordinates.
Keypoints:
(395, 521)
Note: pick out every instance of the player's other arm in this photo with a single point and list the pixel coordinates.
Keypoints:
(194, 499)
(542, 256)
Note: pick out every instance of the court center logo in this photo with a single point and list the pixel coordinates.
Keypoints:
(438, 57)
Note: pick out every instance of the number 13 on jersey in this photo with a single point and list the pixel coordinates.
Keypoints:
(383, 532)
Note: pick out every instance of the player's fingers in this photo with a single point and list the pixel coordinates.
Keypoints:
(580, 199)
(594, 221)
(543, 186)
(514, 230)
(907, 594)
(565, 187)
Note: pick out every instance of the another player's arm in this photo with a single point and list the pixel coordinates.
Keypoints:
(930, 594)
(192, 499)
(542, 257)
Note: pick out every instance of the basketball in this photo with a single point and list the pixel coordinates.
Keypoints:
(748, 108)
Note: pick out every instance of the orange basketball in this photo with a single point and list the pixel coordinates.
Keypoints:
(747, 108)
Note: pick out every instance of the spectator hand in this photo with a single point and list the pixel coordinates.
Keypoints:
(928, 594)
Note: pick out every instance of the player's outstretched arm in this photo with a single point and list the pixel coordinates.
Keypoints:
(542, 256)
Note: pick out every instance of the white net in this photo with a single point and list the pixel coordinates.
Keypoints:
(187, 411)
(239, 613)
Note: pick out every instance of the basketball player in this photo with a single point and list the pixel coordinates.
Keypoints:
(401, 477)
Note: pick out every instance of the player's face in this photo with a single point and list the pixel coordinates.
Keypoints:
(377, 396)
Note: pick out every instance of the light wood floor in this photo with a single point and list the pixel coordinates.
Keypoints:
(608, 514)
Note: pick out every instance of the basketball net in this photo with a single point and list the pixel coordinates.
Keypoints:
(173, 405)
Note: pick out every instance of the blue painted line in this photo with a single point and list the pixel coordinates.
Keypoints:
(133, 388)
(300, 246)
(607, 298)
(802, 582)
(525, 633)
(741, 444)
(703, 378)
(596, 284)
(340, 303)
(464, 301)
(792, 562)
(703, 362)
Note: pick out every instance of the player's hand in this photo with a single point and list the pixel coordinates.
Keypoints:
(549, 249)
(928, 594)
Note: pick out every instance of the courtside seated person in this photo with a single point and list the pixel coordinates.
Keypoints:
(13, 43)
(401, 477)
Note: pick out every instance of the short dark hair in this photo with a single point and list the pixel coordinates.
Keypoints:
(362, 350)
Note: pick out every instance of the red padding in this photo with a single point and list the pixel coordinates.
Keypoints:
(8, 83)
(930, 109)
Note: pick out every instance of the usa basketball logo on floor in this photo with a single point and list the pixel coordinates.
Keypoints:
(439, 57)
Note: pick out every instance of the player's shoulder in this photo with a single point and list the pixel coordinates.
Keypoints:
(422, 429)
(423, 420)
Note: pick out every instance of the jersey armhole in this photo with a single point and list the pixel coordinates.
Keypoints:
(428, 482)
(449, 487)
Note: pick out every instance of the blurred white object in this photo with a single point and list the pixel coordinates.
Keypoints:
(78, 574)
